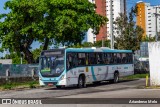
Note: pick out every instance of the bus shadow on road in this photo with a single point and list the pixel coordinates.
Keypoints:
(103, 83)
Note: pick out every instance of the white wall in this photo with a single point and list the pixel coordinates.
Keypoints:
(6, 61)
(154, 62)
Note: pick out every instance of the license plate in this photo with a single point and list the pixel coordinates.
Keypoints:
(50, 84)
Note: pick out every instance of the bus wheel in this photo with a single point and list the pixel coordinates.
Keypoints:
(116, 77)
(59, 86)
(81, 81)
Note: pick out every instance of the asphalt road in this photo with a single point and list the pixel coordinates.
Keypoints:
(123, 89)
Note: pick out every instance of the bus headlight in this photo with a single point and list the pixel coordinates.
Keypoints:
(62, 77)
(40, 78)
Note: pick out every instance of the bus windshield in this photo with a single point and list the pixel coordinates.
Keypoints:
(52, 66)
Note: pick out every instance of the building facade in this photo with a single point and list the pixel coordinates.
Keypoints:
(118, 6)
(146, 18)
(103, 8)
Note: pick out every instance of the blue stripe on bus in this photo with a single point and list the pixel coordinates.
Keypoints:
(79, 50)
(117, 51)
(97, 50)
(93, 75)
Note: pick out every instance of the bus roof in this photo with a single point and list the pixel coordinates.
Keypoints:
(96, 50)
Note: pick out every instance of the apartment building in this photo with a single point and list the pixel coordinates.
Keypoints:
(146, 18)
(103, 8)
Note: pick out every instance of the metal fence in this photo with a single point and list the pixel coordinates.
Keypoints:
(144, 49)
(18, 70)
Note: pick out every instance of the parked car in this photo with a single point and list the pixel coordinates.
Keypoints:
(141, 66)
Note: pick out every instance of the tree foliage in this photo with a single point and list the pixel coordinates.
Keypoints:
(46, 21)
(99, 43)
(130, 35)
(148, 39)
(16, 58)
(89, 44)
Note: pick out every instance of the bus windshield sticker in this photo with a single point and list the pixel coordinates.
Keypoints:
(46, 70)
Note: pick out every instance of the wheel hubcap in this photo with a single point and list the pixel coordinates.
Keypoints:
(116, 78)
(80, 82)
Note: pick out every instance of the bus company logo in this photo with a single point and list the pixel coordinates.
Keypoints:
(125, 67)
(6, 101)
(80, 71)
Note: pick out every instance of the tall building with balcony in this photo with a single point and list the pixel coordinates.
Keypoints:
(146, 18)
(103, 8)
(118, 6)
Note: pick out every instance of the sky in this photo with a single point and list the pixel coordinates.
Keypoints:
(130, 3)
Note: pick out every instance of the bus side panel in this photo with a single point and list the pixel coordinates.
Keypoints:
(72, 75)
(123, 69)
(101, 72)
(96, 73)
(111, 70)
(128, 69)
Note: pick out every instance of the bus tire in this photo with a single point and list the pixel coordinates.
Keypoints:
(81, 81)
(59, 87)
(116, 77)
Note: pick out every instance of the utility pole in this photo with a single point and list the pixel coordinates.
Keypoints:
(111, 26)
(156, 15)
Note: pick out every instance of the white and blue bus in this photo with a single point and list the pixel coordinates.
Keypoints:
(81, 66)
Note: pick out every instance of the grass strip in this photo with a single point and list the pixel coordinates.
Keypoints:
(136, 76)
(15, 85)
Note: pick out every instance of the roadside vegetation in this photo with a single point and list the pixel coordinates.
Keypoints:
(136, 76)
(59, 22)
(19, 85)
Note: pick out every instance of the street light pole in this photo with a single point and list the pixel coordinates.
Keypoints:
(156, 26)
(156, 15)
(111, 26)
(21, 57)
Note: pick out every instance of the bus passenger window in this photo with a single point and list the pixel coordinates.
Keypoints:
(70, 59)
(127, 58)
(75, 59)
(100, 58)
(105, 58)
(119, 58)
(108, 58)
(112, 58)
(130, 58)
(81, 59)
(115, 58)
(124, 58)
(92, 58)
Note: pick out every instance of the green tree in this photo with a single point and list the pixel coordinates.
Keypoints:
(99, 43)
(16, 58)
(130, 35)
(87, 44)
(36, 53)
(21, 26)
(148, 39)
(65, 21)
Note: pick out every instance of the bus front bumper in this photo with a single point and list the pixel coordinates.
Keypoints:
(51, 81)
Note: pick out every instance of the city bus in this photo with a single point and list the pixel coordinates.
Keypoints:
(81, 66)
